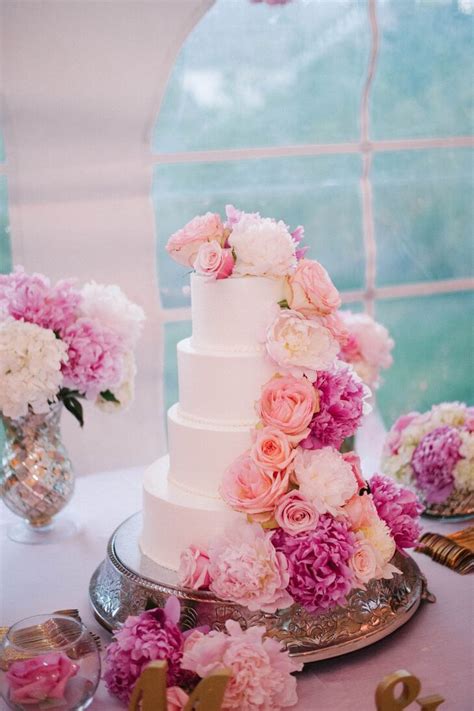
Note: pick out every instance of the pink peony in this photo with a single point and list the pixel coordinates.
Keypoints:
(341, 404)
(335, 324)
(41, 679)
(288, 404)
(363, 562)
(261, 669)
(271, 449)
(213, 261)
(325, 479)
(399, 508)
(96, 358)
(433, 462)
(150, 636)
(193, 569)
(300, 346)
(176, 698)
(395, 434)
(311, 291)
(368, 348)
(184, 244)
(252, 490)
(318, 562)
(295, 514)
(245, 568)
(31, 298)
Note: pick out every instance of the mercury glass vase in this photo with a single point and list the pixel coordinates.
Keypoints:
(37, 478)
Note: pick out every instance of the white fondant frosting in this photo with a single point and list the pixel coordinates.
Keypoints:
(221, 370)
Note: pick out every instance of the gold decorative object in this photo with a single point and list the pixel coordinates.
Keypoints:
(37, 479)
(457, 506)
(385, 699)
(456, 550)
(127, 582)
(149, 693)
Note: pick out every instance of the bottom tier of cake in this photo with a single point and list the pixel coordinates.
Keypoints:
(173, 518)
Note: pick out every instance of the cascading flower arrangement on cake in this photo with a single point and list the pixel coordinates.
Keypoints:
(434, 452)
(311, 529)
(62, 343)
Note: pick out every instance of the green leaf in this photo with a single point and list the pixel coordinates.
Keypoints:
(73, 405)
(109, 396)
(150, 604)
(283, 304)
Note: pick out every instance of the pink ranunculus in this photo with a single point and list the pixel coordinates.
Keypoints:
(40, 679)
(245, 568)
(184, 244)
(295, 514)
(271, 449)
(311, 291)
(288, 403)
(360, 511)
(300, 346)
(176, 698)
(354, 460)
(213, 261)
(252, 490)
(395, 434)
(193, 569)
(325, 479)
(363, 562)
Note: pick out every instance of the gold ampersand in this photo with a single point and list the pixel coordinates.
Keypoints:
(149, 693)
(385, 699)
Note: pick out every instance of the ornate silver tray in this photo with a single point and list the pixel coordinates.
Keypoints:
(127, 581)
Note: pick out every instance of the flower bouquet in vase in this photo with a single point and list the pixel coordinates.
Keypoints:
(433, 452)
(59, 344)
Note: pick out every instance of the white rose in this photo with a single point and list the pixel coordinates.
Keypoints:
(262, 247)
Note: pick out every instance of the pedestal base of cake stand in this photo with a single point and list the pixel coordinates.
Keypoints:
(127, 582)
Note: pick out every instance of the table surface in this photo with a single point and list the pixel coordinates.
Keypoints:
(436, 645)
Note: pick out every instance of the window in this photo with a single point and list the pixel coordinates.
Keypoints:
(353, 118)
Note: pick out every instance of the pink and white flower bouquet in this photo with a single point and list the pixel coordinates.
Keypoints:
(434, 452)
(261, 670)
(312, 530)
(62, 343)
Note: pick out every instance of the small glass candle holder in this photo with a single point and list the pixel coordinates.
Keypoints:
(48, 662)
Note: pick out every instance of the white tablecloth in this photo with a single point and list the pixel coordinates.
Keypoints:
(436, 645)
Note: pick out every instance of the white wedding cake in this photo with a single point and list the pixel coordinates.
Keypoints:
(221, 369)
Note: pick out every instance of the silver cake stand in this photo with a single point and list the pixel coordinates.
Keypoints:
(127, 582)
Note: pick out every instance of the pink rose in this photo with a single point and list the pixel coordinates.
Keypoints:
(246, 568)
(176, 698)
(193, 569)
(213, 261)
(361, 511)
(363, 562)
(295, 514)
(288, 404)
(300, 346)
(41, 678)
(184, 244)
(251, 490)
(311, 291)
(354, 460)
(271, 449)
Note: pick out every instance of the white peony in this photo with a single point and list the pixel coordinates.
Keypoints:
(110, 306)
(125, 392)
(262, 247)
(30, 368)
(300, 346)
(325, 479)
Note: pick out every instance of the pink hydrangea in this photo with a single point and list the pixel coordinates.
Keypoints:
(433, 462)
(318, 562)
(261, 669)
(245, 568)
(341, 405)
(399, 508)
(31, 298)
(96, 357)
(143, 639)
